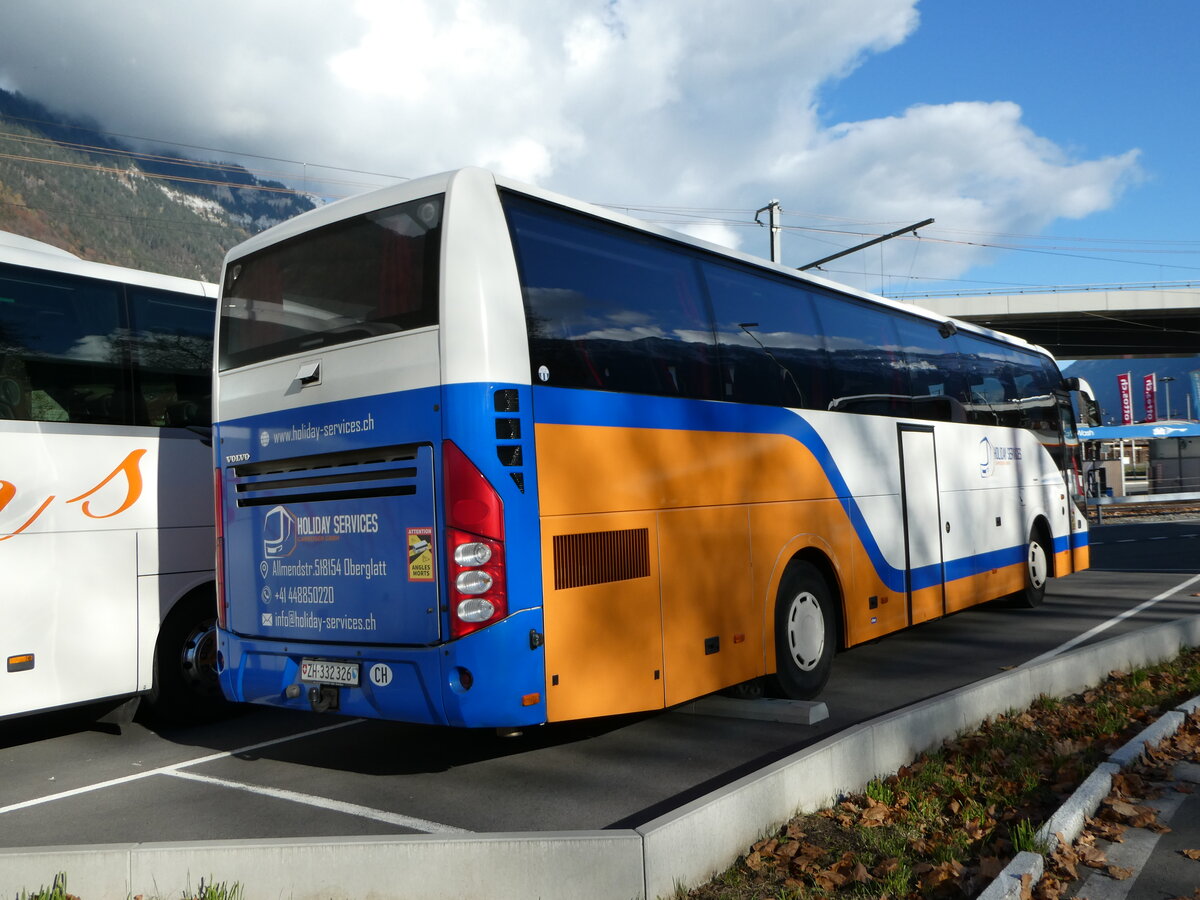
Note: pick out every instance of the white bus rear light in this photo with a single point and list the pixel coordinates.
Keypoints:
(473, 581)
(473, 554)
(476, 609)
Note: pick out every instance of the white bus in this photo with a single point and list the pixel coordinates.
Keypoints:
(106, 538)
(493, 457)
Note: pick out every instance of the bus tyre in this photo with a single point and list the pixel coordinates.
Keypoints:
(185, 664)
(1037, 570)
(805, 632)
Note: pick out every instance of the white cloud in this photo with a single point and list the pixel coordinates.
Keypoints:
(973, 167)
(697, 103)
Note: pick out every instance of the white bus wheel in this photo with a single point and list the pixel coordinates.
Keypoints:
(805, 632)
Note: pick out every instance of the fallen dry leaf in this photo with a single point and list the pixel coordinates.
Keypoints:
(1093, 857)
(991, 866)
(886, 868)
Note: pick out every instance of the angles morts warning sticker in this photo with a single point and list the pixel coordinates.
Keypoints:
(420, 554)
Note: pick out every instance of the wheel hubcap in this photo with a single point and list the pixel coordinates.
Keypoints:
(805, 631)
(199, 659)
(1037, 564)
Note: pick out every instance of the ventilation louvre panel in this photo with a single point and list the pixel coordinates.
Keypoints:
(600, 557)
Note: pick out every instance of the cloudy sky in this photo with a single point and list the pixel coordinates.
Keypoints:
(1062, 131)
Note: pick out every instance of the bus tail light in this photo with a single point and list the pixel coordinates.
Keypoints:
(474, 545)
(219, 528)
(476, 582)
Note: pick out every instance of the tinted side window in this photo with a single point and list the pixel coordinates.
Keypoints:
(610, 308)
(1009, 386)
(868, 368)
(61, 349)
(172, 349)
(934, 364)
(1037, 380)
(770, 339)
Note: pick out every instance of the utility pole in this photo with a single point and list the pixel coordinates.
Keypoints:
(1167, 379)
(774, 209)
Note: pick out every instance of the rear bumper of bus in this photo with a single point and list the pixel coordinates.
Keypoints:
(490, 679)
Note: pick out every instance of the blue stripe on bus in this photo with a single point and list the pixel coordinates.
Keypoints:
(561, 406)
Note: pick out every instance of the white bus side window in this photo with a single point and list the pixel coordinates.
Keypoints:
(172, 346)
(61, 358)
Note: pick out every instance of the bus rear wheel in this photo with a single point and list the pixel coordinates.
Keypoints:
(185, 664)
(805, 632)
(1037, 570)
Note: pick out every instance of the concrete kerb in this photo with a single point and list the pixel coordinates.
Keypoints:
(681, 849)
(577, 864)
(1152, 734)
(1009, 885)
(1068, 819)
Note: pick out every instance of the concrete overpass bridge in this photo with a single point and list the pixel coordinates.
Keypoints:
(1090, 324)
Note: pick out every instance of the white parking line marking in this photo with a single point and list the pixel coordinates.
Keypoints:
(1104, 626)
(352, 809)
(174, 767)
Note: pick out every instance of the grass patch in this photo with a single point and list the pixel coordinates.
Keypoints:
(946, 825)
(56, 891)
(205, 891)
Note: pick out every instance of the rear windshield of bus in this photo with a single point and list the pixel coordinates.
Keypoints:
(369, 275)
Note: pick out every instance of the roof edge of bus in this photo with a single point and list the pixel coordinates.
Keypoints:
(345, 209)
(9, 239)
(442, 181)
(39, 255)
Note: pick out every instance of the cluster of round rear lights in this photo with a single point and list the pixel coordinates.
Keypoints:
(473, 582)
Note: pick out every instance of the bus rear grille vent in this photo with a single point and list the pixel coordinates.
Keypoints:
(373, 472)
(339, 460)
(600, 557)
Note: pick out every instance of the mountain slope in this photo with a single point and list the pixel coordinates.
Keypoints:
(65, 183)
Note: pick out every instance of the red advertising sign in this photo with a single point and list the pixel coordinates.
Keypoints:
(1125, 388)
(1150, 396)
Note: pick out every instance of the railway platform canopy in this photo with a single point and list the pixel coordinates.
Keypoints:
(1109, 322)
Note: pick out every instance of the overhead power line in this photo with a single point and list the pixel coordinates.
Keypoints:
(1093, 249)
(231, 153)
(142, 173)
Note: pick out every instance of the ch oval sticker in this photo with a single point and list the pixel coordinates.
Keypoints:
(381, 675)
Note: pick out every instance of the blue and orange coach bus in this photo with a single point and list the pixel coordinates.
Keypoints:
(487, 456)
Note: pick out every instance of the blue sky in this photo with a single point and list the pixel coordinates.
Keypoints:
(1063, 128)
(1097, 78)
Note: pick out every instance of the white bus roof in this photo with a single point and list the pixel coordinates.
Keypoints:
(22, 251)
